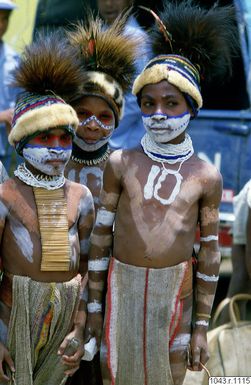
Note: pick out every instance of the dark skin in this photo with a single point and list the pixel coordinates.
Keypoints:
(141, 237)
(110, 9)
(91, 176)
(21, 241)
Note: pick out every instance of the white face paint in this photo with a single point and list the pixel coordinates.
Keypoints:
(163, 128)
(89, 147)
(50, 161)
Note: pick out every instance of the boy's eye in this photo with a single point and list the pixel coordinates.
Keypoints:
(66, 138)
(147, 104)
(84, 114)
(44, 138)
(105, 117)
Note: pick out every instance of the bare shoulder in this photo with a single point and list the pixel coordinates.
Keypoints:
(207, 171)
(8, 187)
(121, 158)
(77, 189)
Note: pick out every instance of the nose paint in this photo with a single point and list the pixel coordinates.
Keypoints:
(163, 128)
(81, 143)
(41, 157)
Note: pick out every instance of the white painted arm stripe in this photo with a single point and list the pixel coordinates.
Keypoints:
(209, 238)
(105, 218)
(207, 278)
(98, 264)
(202, 323)
(94, 307)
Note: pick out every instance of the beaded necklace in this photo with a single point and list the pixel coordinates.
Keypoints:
(165, 153)
(90, 158)
(49, 182)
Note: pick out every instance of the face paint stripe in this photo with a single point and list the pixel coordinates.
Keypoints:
(102, 125)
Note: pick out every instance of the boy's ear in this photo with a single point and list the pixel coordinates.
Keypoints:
(190, 111)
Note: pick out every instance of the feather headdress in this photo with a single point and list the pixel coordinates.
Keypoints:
(49, 73)
(108, 56)
(201, 45)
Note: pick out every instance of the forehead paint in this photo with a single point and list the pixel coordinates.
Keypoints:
(101, 240)
(22, 239)
(39, 156)
(208, 215)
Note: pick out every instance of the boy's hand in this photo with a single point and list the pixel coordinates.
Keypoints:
(198, 349)
(5, 357)
(94, 327)
(72, 361)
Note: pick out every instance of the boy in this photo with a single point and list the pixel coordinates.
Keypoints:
(155, 196)
(107, 57)
(107, 61)
(45, 222)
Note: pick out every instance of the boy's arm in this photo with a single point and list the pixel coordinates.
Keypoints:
(4, 353)
(101, 244)
(208, 265)
(85, 225)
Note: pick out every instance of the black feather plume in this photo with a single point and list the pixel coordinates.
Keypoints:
(207, 37)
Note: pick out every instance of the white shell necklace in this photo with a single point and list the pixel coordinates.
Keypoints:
(49, 182)
(165, 153)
